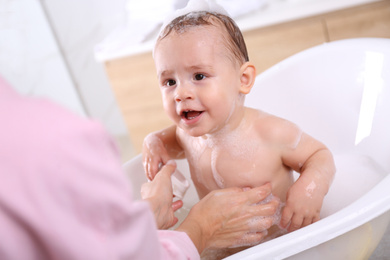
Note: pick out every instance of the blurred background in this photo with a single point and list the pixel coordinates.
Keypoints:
(94, 56)
(47, 49)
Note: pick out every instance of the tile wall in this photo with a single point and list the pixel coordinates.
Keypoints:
(46, 49)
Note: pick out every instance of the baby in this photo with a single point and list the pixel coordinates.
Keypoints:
(204, 74)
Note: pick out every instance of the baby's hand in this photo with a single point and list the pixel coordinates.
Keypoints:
(154, 155)
(303, 205)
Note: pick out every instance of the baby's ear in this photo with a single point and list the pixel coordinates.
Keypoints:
(248, 76)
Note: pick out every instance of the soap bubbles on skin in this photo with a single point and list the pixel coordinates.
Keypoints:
(192, 8)
(262, 223)
(231, 142)
(310, 189)
(298, 139)
(244, 241)
(195, 6)
(278, 230)
(217, 177)
(198, 145)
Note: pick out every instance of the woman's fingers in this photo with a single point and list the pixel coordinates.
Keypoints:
(177, 205)
(260, 224)
(258, 194)
(268, 209)
(159, 194)
(231, 217)
(250, 239)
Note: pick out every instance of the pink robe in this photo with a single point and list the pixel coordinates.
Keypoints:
(63, 194)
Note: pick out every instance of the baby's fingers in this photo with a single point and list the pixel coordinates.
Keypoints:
(287, 215)
(152, 165)
(307, 221)
(157, 163)
(147, 163)
(153, 168)
(296, 222)
(310, 220)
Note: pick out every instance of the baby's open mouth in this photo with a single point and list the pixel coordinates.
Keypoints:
(191, 114)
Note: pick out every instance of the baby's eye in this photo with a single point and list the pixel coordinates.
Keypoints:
(170, 82)
(199, 76)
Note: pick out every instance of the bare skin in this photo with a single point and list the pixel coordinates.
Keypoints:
(222, 219)
(226, 143)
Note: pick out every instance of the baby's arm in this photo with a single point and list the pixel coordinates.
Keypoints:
(158, 148)
(314, 162)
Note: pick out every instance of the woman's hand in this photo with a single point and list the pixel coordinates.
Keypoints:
(160, 196)
(230, 218)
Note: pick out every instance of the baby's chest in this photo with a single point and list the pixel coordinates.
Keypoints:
(222, 168)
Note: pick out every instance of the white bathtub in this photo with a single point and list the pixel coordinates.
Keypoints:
(339, 93)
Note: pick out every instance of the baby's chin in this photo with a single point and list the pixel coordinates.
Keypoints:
(194, 131)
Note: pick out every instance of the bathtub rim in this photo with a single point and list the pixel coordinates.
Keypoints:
(359, 43)
(370, 206)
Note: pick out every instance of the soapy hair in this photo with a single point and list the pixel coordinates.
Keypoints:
(234, 39)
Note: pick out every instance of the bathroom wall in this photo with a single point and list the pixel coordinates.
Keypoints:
(29, 56)
(46, 49)
(78, 26)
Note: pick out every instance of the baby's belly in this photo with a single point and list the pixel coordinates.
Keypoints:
(280, 180)
(206, 180)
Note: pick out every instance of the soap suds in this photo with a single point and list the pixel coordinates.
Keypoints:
(217, 177)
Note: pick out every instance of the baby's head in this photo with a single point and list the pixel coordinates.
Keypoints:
(203, 72)
(232, 36)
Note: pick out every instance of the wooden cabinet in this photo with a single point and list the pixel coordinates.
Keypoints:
(270, 45)
(135, 86)
(134, 79)
(365, 21)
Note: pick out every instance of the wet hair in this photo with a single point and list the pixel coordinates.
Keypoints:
(233, 37)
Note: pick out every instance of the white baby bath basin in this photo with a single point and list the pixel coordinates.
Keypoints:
(339, 93)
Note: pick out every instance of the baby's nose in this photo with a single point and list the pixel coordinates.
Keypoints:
(183, 92)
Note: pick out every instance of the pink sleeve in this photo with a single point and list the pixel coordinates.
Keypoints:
(177, 244)
(63, 194)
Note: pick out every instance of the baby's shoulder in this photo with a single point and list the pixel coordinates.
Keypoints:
(274, 128)
(264, 120)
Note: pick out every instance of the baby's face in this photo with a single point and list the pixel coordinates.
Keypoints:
(198, 81)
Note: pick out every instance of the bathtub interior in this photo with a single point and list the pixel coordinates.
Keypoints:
(337, 92)
(340, 94)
